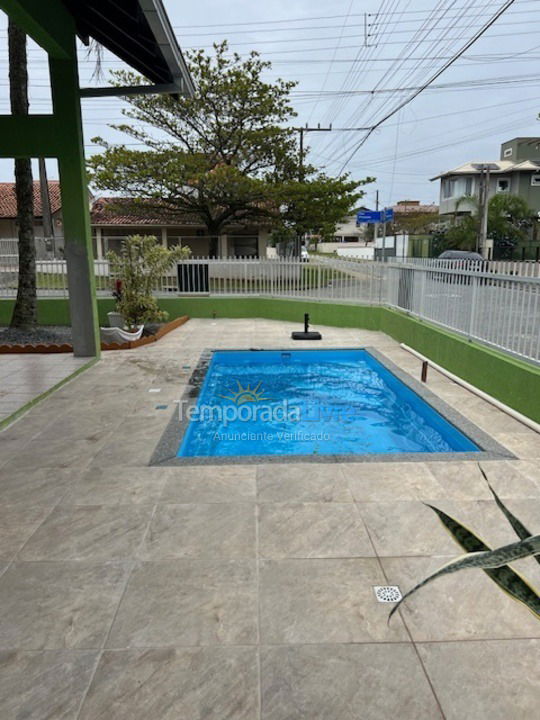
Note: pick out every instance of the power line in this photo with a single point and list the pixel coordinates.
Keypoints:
(432, 79)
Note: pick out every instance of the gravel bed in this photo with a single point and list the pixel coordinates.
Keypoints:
(43, 334)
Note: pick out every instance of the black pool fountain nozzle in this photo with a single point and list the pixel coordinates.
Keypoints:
(307, 334)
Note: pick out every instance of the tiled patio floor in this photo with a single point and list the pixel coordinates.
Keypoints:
(130, 592)
(23, 377)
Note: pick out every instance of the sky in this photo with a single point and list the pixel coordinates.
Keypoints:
(355, 62)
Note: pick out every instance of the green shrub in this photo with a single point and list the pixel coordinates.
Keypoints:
(136, 272)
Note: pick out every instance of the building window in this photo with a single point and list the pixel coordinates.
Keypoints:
(535, 180)
(448, 188)
(508, 152)
(503, 185)
(468, 186)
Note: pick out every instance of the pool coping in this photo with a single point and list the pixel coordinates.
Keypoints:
(164, 454)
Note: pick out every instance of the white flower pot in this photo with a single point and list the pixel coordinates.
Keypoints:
(115, 319)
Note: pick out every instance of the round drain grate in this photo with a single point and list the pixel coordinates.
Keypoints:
(387, 593)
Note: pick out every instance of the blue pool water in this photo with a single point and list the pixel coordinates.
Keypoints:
(305, 402)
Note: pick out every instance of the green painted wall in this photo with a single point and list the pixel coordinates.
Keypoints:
(514, 382)
(511, 381)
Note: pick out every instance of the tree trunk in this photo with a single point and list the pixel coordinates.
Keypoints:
(25, 310)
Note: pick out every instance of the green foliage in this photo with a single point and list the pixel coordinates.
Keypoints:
(315, 205)
(215, 155)
(223, 157)
(493, 562)
(139, 266)
(509, 218)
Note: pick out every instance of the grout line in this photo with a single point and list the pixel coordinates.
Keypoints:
(130, 565)
(411, 639)
(257, 581)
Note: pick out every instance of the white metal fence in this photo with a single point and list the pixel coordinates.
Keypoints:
(493, 302)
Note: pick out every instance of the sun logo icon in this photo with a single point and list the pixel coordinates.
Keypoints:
(245, 394)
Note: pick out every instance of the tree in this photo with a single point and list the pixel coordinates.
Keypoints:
(25, 309)
(509, 220)
(315, 205)
(214, 157)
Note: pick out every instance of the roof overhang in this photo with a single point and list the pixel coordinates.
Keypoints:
(139, 33)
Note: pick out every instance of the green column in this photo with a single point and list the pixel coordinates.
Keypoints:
(75, 206)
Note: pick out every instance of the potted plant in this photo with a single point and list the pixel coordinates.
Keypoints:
(136, 271)
(115, 318)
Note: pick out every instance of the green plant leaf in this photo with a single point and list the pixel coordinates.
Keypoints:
(519, 528)
(490, 559)
(506, 578)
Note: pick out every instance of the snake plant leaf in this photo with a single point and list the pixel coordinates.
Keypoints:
(508, 579)
(488, 559)
(519, 528)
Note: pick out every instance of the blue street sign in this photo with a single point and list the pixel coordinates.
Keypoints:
(375, 216)
(368, 216)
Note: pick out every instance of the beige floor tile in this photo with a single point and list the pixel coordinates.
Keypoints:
(173, 684)
(217, 530)
(323, 601)
(490, 680)
(89, 532)
(302, 482)
(188, 602)
(345, 682)
(209, 484)
(49, 684)
(463, 606)
(312, 530)
(50, 605)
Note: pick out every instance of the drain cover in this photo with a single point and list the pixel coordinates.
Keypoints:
(387, 593)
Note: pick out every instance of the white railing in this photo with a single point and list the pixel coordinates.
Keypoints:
(497, 309)
(491, 302)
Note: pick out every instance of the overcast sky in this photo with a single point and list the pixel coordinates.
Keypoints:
(355, 61)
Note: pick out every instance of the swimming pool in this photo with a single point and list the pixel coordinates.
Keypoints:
(312, 403)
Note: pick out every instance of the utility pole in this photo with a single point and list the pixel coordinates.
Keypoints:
(376, 225)
(481, 236)
(48, 227)
(302, 130)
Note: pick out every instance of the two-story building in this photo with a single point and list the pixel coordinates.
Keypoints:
(516, 172)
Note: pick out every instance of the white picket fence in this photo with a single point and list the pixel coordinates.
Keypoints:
(495, 303)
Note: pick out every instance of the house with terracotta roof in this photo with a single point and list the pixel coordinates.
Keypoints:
(113, 219)
(8, 212)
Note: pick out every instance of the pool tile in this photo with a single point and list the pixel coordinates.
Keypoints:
(302, 482)
(48, 684)
(55, 605)
(204, 530)
(323, 601)
(210, 484)
(195, 683)
(486, 680)
(312, 530)
(319, 682)
(89, 532)
(188, 602)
